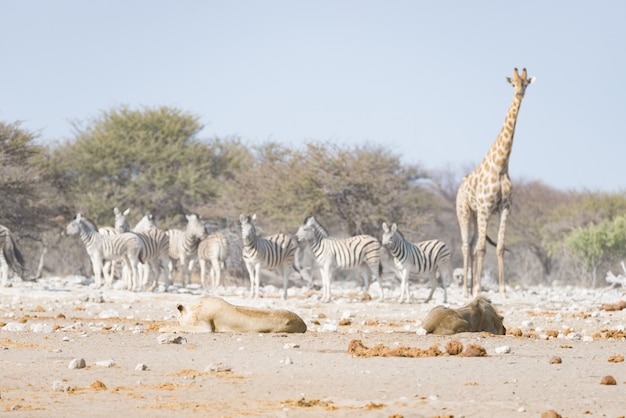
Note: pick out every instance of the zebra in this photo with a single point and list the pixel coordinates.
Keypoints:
(347, 253)
(110, 266)
(212, 253)
(275, 252)
(423, 257)
(155, 252)
(184, 246)
(100, 247)
(10, 257)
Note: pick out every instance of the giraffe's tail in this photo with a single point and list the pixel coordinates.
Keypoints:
(495, 244)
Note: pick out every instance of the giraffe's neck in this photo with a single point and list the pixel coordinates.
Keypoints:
(497, 158)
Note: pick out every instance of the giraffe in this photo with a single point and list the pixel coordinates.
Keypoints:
(487, 190)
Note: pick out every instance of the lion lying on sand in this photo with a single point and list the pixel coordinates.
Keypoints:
(478, 315)
(211, 314)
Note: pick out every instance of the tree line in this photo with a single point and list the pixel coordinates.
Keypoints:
(154, 160)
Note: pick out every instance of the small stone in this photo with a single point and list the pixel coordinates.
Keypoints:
(217, 368)
(608, 380)
(556, 360)
(170, 338)
(288, 346)
(77, 363)
(616, 359)
(105, 363)
(288, 360)
(550, 414)
(527, 324)
(141, 367)
(61, 386)
(505, 349)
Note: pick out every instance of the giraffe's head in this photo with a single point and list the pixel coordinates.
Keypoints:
(520, 82)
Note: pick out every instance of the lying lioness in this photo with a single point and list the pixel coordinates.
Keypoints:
(478, 315)
(211, 314)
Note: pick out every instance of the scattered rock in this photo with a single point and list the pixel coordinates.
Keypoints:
(556, 360)
(614, 306)
(61, 386)
(141, 367)
(616, 359)
(170, 338)
(105, 363)
(474, 350)
(505, 349)
(550, 414)
(608, 380)
(97, 385)
(453, 347)
(217, 368)
(77, 363)
(345, 322)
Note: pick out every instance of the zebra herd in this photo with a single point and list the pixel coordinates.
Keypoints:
(149, 255)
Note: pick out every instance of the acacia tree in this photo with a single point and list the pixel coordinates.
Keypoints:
(350, 189)
(149, 160)
(596, 244)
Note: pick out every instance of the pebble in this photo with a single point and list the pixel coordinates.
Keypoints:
(217, 367)
(77, 363)
(288, 346)
(505, 349)
(61, 386)
(170, 338)
(288, 360)
(105, 363)
(41, 328)
(14, 327)
(527, 323)
(141, 367)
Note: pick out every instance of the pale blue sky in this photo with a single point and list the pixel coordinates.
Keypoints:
(424, 78)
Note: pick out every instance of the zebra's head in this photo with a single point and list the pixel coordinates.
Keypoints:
(388, 233)
(248, 231)
(195, 227)
(306, 231)
(120, 220)
(78, 223)
(146, 223)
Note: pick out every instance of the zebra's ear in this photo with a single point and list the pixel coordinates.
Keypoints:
(180, 308)
(253, 217)
(116, 211)
(78, 217)
(126, 212)
(385, 227)
(394, 228)
(242, 218)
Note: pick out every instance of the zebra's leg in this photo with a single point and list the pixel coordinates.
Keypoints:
(4, 271)
(96, 264)
(285, 273)
(444, 282)
(250, 268)
(326, 272)
(182, 263)
(203, 273)
(433, 285)
(404, 285)
(376, 274)
(257, 280)
(165, 270)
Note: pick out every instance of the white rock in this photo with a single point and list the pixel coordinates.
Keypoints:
(41, 328)
(587, 338)
(288, 346)
(330, 328)
(109, 313)
(14, 326)
(105, 363)
(503, 349)
(61, 386)
(77, 363)
(528, 323)
(288, 360)
(141, 367)
(217, 367)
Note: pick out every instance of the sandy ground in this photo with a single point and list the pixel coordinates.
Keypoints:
(44, 326)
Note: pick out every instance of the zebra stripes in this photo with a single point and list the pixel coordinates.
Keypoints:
(275, 252)
(212, 254)
(424, 257)
(100, 247)
(333, 253)
(10, 258)
(184, 245)
(154, 254)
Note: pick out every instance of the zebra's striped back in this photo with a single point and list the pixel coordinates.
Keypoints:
(347, 253)
(270, 252)
(214, 247)
(422, 257)
(154, 243)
